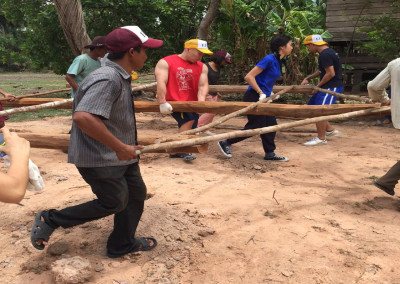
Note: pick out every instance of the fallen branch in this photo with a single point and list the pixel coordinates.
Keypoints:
(142, 87)
(252, 132)
(35, 108)
(227, 117)
(36, 94)
(343, 96)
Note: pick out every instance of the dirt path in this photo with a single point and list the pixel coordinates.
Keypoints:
(314, 219)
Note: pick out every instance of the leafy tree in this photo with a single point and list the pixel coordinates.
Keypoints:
(383, 35)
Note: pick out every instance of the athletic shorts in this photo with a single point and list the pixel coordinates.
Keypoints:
(183, 117)
(322, 98)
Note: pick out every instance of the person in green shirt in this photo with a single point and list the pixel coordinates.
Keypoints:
(85, 63)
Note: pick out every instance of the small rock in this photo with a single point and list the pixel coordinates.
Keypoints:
(204, 233)
(72, 270)
(257, 167)
(58, 248)
(98, 267)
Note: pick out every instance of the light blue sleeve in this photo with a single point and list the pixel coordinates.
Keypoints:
(77, 66)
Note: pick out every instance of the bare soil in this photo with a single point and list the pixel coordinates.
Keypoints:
(314, 219)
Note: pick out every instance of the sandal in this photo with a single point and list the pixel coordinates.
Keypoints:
(141, 244)
(40, 231)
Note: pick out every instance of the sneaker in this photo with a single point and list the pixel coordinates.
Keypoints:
(186, 157)
(315, 141)
(277, 158)
(225, 148)
(332, 133)
(389, 191)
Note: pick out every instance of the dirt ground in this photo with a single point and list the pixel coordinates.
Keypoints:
(314, 219)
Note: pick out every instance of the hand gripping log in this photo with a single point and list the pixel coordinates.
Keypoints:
(227, 117)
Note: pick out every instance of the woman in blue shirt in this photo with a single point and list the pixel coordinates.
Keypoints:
(261, 80)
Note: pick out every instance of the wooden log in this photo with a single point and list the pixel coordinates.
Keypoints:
(61, 141)
(36, 94)
(252, 132)
(35, 107)
(281, 110)
(298, 89)
(36, 101)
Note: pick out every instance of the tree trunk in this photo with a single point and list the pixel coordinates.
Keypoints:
(281, 110)
(206, 22)
(71, 19)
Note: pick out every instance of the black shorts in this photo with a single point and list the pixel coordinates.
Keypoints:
(183, 117)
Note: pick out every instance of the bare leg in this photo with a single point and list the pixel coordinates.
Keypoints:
(321, 129)
(186, 126)
(329, 127)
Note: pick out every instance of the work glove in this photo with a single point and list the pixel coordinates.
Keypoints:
(165, 108)
(262, 96)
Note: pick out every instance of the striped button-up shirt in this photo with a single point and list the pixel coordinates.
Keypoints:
(106, 93)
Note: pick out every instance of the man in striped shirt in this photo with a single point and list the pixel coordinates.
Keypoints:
(103, 147)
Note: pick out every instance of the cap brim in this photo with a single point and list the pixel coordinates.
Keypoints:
(206, 51)
(153, 43)
(228, 61)
(320, 43)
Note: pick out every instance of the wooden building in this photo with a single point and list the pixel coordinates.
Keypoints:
(343, 21)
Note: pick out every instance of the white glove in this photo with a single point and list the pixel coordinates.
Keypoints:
(35, 179)
(165, 108)
(262, 96)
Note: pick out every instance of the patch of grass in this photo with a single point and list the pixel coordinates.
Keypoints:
(373, 177)
(270, 215)
(37, 115)
(22, 83)
(372, 204)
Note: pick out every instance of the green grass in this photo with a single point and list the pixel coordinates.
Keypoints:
(23, 83)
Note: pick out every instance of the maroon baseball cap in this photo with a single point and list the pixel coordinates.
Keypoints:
(122, 39)
(225, 55)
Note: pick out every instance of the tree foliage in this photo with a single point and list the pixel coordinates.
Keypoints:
(384, 36)
(34, 38)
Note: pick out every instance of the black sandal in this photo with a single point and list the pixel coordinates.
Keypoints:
(40, 231)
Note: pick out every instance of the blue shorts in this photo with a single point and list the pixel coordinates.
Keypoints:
(183, 117)
(321, 98)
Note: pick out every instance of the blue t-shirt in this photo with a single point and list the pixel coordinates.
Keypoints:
(329, 57)
(271, 72)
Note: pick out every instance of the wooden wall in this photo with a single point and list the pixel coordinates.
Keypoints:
(342, 15)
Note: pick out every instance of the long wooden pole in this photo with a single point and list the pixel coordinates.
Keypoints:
(343, 96)
(36, 94)
(143, 87)
(227, 117)
(281, 110)
(61, 142)
(35, 108)
(252, 132)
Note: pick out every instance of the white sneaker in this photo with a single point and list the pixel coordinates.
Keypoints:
(315, 141)
(332, 133)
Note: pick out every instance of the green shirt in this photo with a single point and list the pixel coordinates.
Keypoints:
(82, 66)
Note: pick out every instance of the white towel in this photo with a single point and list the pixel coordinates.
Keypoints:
(35, 182)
